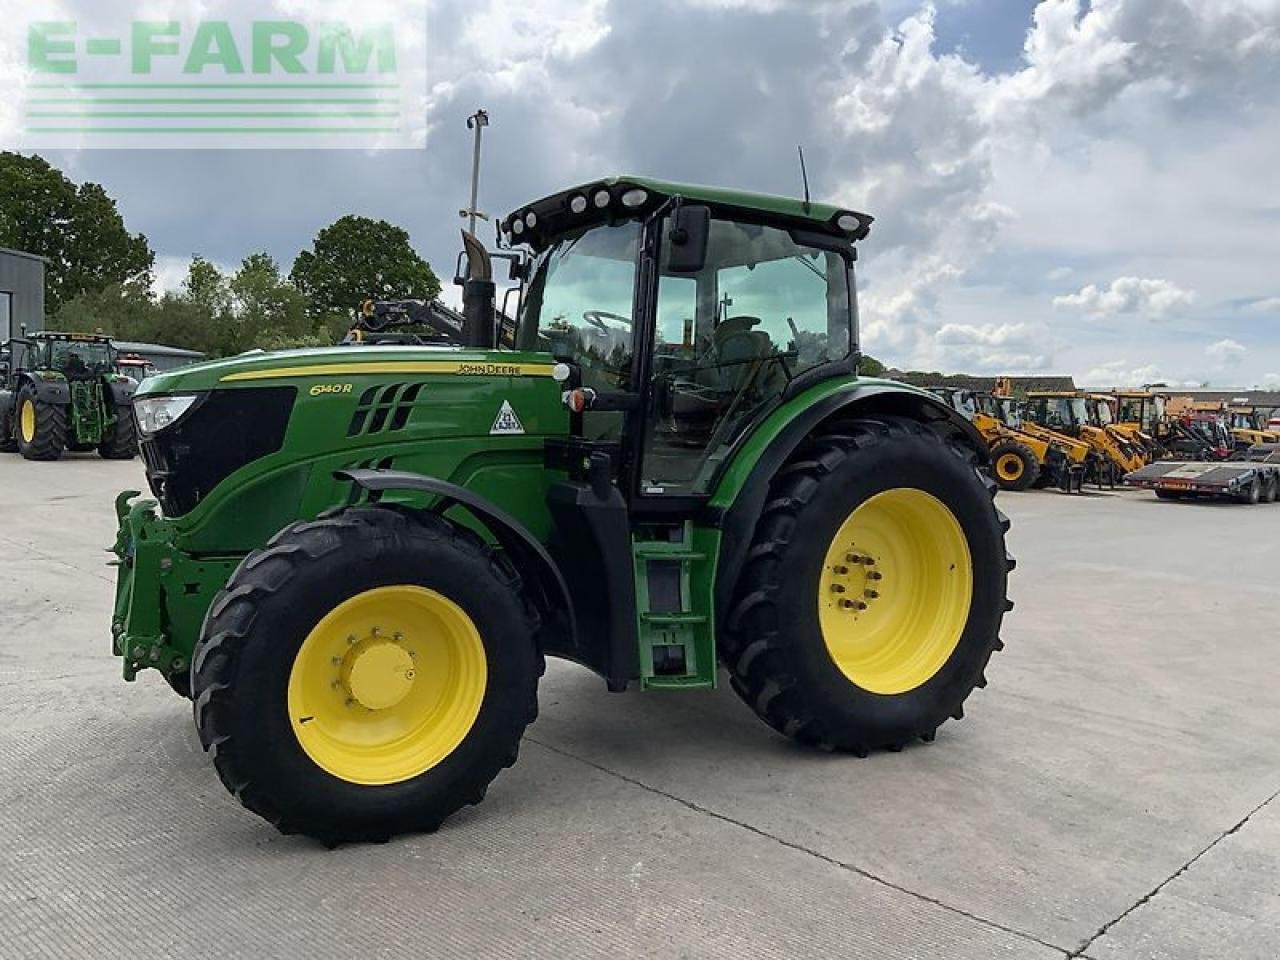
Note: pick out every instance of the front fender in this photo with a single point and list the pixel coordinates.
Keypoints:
(744, 488)
(529, 556)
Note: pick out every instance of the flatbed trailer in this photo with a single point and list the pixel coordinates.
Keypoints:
(1252, 480)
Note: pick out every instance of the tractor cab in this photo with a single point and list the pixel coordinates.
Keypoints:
(77, 356)
(682, 318)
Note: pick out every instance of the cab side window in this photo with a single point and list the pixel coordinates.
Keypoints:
(765, 309)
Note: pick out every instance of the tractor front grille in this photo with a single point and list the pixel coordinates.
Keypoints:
(226, 430)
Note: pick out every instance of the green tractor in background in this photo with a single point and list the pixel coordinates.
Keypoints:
(62, 391)
(358, 557)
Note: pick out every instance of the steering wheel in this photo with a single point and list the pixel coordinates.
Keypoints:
(597, 317)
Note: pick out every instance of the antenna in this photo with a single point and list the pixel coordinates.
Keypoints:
(804, 175)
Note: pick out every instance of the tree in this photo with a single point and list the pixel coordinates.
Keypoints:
(126, 311)
(266, 309)
(869, 366)
(78, 228)
(356, 259)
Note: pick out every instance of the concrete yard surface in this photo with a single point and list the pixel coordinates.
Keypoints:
(1112, 794)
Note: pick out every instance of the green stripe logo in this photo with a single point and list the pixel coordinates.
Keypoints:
(245, 80)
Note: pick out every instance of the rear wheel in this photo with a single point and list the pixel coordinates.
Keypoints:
(874, 591)
(122, 442)
(366, 675)
(41, 427)
(1253, 493)
(1271, 489)
(1014, 465)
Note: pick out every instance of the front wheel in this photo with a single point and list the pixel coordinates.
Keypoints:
(1014, 465)
(366, 675)
(122, 442)
(874, 590)
(41, 427)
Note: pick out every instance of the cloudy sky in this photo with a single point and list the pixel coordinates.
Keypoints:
(1064, 186)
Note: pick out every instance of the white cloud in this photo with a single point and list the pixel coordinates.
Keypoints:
(1153, 298)
(1226, 353)
(1013, 348)
(1269, 305)
(1118, 373)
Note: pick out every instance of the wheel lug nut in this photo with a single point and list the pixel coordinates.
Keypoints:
(860, 605)
(376, 631)
(351, 639)
(837, 588)
(397, 637)
(870, 594)
(873, 575)
(842, 570)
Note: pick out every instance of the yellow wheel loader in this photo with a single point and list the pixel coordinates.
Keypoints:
(1143, 416)
(1135, 444)
(1018, 459)
(1248, 427)
(1071, 413)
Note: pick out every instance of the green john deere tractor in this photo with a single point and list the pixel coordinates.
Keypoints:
(61, 391)
(358, 557)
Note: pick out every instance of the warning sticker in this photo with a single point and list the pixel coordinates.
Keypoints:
(506, 424)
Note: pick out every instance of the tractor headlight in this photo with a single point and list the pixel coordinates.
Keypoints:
(157, 413)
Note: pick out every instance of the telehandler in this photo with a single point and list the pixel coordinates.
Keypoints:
(357, 558)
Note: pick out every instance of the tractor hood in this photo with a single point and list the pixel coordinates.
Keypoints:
(325, 365)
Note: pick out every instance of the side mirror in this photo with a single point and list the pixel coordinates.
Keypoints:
(690, 227)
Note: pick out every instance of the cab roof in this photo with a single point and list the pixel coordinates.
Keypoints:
(604, 202)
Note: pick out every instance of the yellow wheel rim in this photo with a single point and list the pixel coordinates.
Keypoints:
(387, 685)
(1010, 466)
(28, 421)
(895, 591)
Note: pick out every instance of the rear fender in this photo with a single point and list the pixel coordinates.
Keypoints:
(738, 522)
(47, 391)
(120, 392)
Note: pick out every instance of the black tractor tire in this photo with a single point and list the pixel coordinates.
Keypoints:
(1271, 489)
(8, 433)
(1014, 465)
(773, 643)
(49, 437)
(122, 442)
(180, 683)
(256, 628)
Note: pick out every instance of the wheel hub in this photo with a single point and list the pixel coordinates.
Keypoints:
(377, 673)
(856, 583)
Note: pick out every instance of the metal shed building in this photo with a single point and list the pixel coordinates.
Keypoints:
(21, 292)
